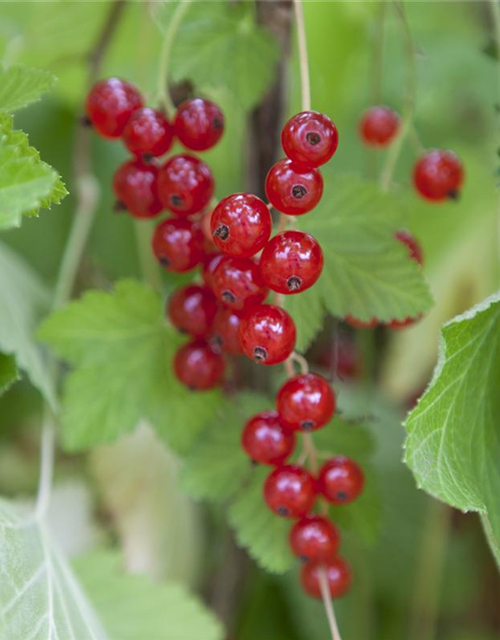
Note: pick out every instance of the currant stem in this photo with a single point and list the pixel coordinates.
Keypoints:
(164, 97)
(327, 601)
(305, 83)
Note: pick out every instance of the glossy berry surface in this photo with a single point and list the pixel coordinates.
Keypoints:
(378, 126)
(241, 225)
(238, 284)
(438, 175)
(192, 309)
(314, 538)
(210, 263)
(292, 188)
(290, 491)
(340, 480)
(265, 441)
(110, 104)
(338, 577)
(310, 138)
(291, 262)
(225, 333)
(267, 334)
(306, 402)
(148, 133)
(198, 367)
(199, 124)
(185, 185)
(136, 188)
(414, 248)
(361, 324)
(178, 244)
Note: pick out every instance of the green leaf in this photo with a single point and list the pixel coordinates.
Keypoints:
(26, 183)
(23, 301)
(257, 528)
(453, 443)
(122, 351)
(39, 595)
(219, 44)
(8, 372)
(367, 272)
(218, 466)
(20, 86)
(133, 607)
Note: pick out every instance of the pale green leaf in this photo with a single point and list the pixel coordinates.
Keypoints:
(453, 443)
(217, 466)
(258, 529)
(8, 372)
(122, 351)
(39, 595)
(133, 607)
(23, 301)
(26, 183)
(20, 86)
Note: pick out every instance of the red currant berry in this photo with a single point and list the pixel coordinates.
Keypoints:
(340, 480)
(291, 262)
(314, 539)
(310, 138)
(241, 225)
(290, 491)
(148, 133)
(438, 175)
(238, 284)
(338, 577)
(198, 367)
(361, 324)
(199, 124)
(178, 244)
(192, 309)
(209, 265)
(136, 188)
(292, 188)
(110, 104)
(378, 126)
(306, 402)
(414, 248)
(265, 440)
(267, 334)
(225, 334)
(185, 185)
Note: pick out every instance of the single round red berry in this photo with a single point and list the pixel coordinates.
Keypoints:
(136, 188)
(225, 333)
(110, 104)
(192, 309)
(237, 283)
(306, 402)
(292, 188)
(267, 334)
(338, 577)
(314, 539)
(178, 244)
(198, 367)
(148, 133)
(438, 175)
(265, 440)
(199, 124)
(310, 138)
(291, 262)
(414, 248)
(241, 225)
(290, 491)
(378, 126)
(340, 480)
(361, 324)
(185, 185)
(210, 263)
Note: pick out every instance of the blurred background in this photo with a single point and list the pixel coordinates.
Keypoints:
(423, 571)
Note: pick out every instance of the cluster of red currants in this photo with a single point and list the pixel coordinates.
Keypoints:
(438, 175)
(305, 403)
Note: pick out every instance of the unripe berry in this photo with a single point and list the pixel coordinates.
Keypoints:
(310, 138)
(306, 402)
(267, 334)
(265, 440)
(199, 124)
(136, 188)
(185, 185)
(110, 104)
(293, 189)
(340, 480)
(290, 491)
(338, 577)
(148, 133)
(378, 126)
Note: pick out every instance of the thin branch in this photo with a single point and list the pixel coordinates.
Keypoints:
(305, 83)
(327, 601)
